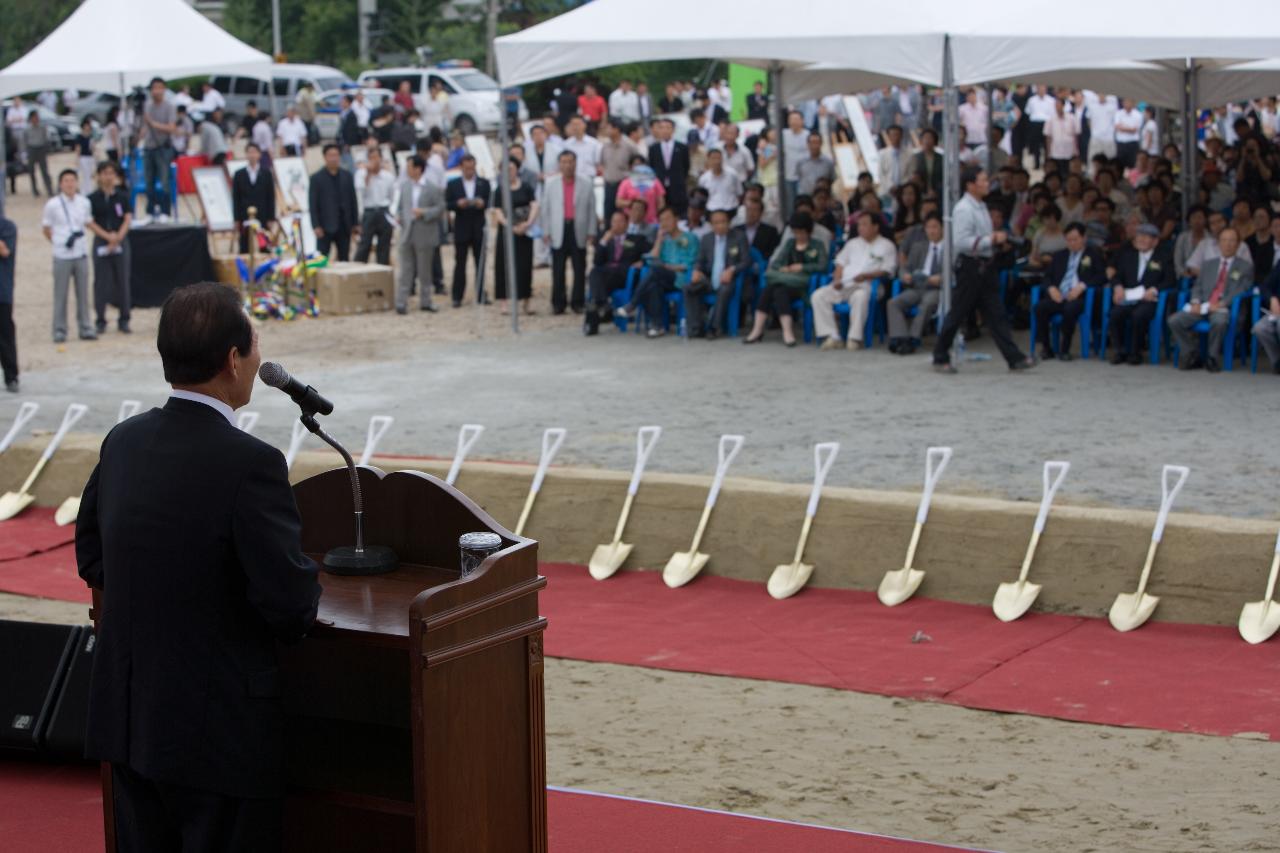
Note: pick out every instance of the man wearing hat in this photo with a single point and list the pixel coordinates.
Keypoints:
(1072, 272)
(1141, 265)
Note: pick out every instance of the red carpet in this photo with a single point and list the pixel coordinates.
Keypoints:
(1163, 676)
(50, 574)
(58, 809)
(31, 533)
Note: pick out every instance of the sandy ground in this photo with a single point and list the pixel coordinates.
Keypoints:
(913, 769)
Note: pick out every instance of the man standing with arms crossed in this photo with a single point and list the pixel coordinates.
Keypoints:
(159, 122)
(977, 284)
(189, 529)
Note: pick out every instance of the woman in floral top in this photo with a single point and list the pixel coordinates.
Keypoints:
(787, 280)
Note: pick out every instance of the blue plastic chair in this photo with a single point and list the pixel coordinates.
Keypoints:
(135, 172)
(877, 320)
(1156, 340)
(620, 297)
(1233, 328)
(1083, 326)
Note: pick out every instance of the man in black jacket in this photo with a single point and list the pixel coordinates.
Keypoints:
(1071, 273)
(1144, 265)
(334, 210)
(670, 162)
(189, 528)
(253, 186)
(617, 252)
(466, 196)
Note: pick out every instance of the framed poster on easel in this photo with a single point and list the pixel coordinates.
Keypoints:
(214, 192)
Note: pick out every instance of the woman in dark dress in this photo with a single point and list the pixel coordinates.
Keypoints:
(524, 212)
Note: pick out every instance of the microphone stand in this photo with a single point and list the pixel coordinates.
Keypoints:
(346, 559)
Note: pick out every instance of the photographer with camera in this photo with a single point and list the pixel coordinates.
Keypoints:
(65, 219)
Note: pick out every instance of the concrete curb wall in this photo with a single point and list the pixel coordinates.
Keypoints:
(1206, 569)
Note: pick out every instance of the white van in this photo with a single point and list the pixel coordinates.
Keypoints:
(286, 80)
(473, 95)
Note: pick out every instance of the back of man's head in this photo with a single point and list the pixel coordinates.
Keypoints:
(199, 325)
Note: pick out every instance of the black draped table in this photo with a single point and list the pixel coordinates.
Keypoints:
(163, 257)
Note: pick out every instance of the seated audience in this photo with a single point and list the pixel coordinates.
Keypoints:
(1142, 264)
(921, 279)
(1071, 272)
(866, 257)
(1220, 280)
(670, 260)
(722, 256)
(798, 259)
(618, 251)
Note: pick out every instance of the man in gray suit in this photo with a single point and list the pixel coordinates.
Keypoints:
(722, 256)
(568, 218)
(921, 282)
(1219, 282)
(420, 208)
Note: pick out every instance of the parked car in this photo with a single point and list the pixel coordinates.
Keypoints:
(474, 97)
(286, 80)
(329, 108)
(92, 105)
(61, 132)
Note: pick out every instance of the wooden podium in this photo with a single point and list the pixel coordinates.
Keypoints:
(414, 708)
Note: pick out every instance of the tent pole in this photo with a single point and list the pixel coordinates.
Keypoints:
(948, 173)
(1189, 100)
(990, 121)
(4, 156)
(508, 247)
(780, 124)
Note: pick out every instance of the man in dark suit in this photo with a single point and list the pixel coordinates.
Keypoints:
(617, 251)
(722, 256)
(1264, 246)
(761, 236)
(670, 162)
(465, 196)
(927, 162)
(1144, 265)
(253, 186)
(758, 103)
(189, 529)
(334, 210)
(1071, 272)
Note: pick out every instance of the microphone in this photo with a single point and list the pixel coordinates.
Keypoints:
(305, 396)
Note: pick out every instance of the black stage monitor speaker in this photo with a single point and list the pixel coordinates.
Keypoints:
(64, 737)
(34, 660)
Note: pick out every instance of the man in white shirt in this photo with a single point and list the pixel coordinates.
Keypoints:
(211, 99)
(1039, 110)
(1128, 133)
(1101, 110)
(921, 279)
(1209, 247)
(292, 134)
(66, 217)
(866, 257)
(624, 104)
(892, 163)
(375, 187)
(361, 110)
(795, 147)
(585, 148)
(973, 118)
(723, 185)
(183, 98)
(736, 157)
(708, 133)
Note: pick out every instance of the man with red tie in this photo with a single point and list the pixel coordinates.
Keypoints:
(1219, 282)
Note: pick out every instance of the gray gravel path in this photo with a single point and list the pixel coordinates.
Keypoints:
(1116, 425)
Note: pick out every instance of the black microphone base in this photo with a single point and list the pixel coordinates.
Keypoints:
(376, 560)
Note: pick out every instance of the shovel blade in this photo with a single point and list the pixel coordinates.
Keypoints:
(68, 512)
(1131, 610)
(607, 559)
(788, 579)
(1259, 620)
(1014, 599)
(899, 585)
(12, 503)
(683, 567)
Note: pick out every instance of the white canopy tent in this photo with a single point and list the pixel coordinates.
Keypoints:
(934, 42)
(112, 46)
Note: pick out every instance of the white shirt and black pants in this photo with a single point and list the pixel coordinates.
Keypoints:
(977, 285)
(66, 219)
(375, 192)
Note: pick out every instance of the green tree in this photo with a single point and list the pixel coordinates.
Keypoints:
(27, 22)
(322, 31)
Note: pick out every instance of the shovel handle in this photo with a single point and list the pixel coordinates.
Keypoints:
(729, 447)
(467, 436)
(646, 438)
(935, 462)
(128, 409)
(824, 456)
(246, 421)
(378, 426)
(295, 443)
(74, 413)
(1054, 474)
(552, 438)
(1168, 495)
(26, 412)
(524, 513)
(1271, 578)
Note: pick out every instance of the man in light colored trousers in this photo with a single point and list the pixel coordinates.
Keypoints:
(66, 217)
(419, 210)
(864, 258)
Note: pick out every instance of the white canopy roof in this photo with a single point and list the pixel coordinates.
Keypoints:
(114, 45)
(884, 42)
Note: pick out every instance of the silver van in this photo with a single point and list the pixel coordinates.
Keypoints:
(286, 80)
(473, 95)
